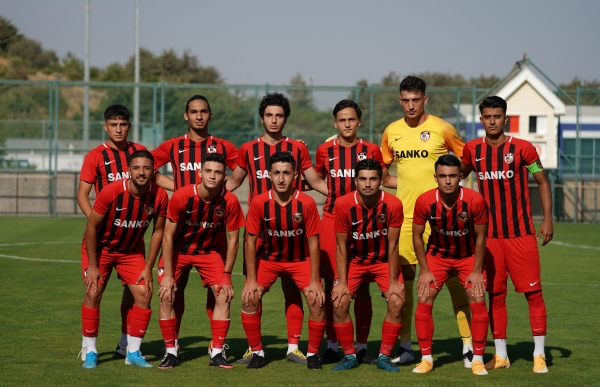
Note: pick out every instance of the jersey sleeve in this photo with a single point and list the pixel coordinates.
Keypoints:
(529, 154)
(103, 201)
(452, 139)
(313, 222)
(305, 161)
(480, 210)
(235, 216)
(176, 204)
(89, 168)
(163, 203)
(341, 224)
(232, 155)
(241, 161)
(466, 156)
(254, 217)
(420, 215)
(378, 156)
(397, 217)
(161, 154)
(386, 152)
(320, 162)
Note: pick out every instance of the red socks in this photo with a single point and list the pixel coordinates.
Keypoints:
(315, 335)
(479, 327)
(345, 335)
(363, 312)
(537, 312)
(424, 327)
(179, 307)
(294, 314)
(389, 337)
(219, 329)
(125, 311)
(139, 320)
(168, 329)
(251, 324)
(90, 321)
(498, 315)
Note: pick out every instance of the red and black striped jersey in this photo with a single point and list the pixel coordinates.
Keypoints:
(337, 163)
(186, 156)
(103, 164)
(126, 217)
(199, 222)
(367, 229)
(502, 175)
(254, 158)
(284, 229)
(452, 230)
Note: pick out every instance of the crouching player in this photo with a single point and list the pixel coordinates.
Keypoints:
(458, 219)
(288, 221)
(367, 226)
(113, 238)
(197, 214)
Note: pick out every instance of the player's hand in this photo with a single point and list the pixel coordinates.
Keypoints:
(396, 288)
(225, 287)
(477, 284)
(425, 279)
(92, 276)
(251, 293)
(146, 276)
(167, 288)
(338, 293)
(547, 230)
(316, 288)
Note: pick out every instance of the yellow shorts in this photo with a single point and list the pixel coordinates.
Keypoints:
(405, 245)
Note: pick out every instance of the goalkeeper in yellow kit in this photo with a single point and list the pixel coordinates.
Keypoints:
(415, 142)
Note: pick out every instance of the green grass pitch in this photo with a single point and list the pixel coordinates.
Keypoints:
(41, 293)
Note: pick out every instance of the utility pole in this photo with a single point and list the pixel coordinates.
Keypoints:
(136, 93)
(86, 78)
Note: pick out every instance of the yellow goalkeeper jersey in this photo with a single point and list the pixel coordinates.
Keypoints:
(415, 151)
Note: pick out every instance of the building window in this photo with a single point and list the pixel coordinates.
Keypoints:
(513, 124)
(538, 124)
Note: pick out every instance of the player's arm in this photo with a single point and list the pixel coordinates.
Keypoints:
(340, 289)
(167, 285)
(164, 182)
(155, 243)
(465, 170)
(237, 178)
(315, 287)
(425, 276)
(91, 235)
(83, 197)
(546, 229)
(232, 248)
(315, 181)
(251, 291)
(389, 181)
(396, 287)
(476, 277)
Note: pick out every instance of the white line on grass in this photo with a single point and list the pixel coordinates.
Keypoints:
(38, 259)
(580, 246)
(36, 243)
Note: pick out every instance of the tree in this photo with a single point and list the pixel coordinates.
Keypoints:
(8, 33)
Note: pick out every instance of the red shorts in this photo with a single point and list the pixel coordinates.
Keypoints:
(209, 266)
(299, 272)
(129, 266)
(327, 241)
(379, 272)
(443, 268)
(518, 257)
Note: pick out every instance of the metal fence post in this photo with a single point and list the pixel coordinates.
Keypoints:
(256, 117)
(371, 111)
(56, 106)
(577, 154)
(473, 102)
(50, 129)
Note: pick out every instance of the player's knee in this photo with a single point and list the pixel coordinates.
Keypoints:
(395, 304)
(92, 300)
(341, 312)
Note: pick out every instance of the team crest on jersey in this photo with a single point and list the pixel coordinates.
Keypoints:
(160, 271)
(220, 212)
(382, 218)
(424, 136)
(336, 281)
(463, 217)
(509, 158)
(212, 149)
(362, 156)
(298, 218)
(149, 210)
(85, 272)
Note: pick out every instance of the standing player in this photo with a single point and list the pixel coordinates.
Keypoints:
(367, 226)
(415, 142)
(458, 218)
(501, 164)
(102, 165)
(288, 220)
(115, 227)
(185, 154)
(254, 159)
(197, 214)
(336, 161)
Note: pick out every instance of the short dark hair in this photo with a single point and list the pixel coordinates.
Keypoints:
(282, 157)
(447, 161)
(114, 112)
(194, 98)
(275, 99)
(216, 158)
(493, 102)
(368, 165)
(344, 104)
(141, 153)
(413, 84)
